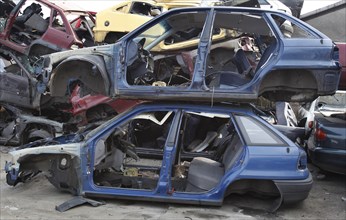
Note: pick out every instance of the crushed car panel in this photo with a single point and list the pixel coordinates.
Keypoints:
(18, 84)
(18, 127)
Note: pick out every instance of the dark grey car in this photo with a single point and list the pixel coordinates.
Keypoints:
(327, 143)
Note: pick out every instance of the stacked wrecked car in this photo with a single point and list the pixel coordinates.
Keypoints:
(40, 27)
(195, 139)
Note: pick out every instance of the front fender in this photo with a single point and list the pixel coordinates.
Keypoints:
(60, 163)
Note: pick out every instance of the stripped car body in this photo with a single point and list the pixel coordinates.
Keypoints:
(295, 65)
(104, 162)
(29, 29)
(18, 127)
(38, 27)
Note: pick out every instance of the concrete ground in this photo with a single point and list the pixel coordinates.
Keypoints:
(37, 200)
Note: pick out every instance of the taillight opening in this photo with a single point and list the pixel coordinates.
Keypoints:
(320, 135)
(310, 124)
(302, 161)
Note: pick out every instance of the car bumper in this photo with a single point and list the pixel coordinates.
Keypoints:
(293, 191)
(328, 159)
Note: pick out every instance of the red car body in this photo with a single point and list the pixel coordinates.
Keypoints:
(84, 107)
(40, 40)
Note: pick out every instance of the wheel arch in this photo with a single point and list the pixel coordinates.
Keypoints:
(282, 85)
(261, 187)
(35, 131)
(90, 70)
(61, 169)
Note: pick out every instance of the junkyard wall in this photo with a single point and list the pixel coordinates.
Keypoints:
(330, 20)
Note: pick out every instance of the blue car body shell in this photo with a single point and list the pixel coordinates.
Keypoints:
(292, 69)
(284, 164)
(277, 163)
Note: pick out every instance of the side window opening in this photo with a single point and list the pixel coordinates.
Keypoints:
(290, 29)
(83, 25)
(240, 51)
(5, 9)
(14, 68)
(201, 132)
(58, 22)
(10, 65)
(30, 24)
(121, 157)
(209, 146)
(164, 55)
(255, 133)
(141, 8)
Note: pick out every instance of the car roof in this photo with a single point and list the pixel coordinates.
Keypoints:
(239, 108)
(224, 106)
(247, 9)
(227, 8)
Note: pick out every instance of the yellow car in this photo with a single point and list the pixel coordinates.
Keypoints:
(118, 20)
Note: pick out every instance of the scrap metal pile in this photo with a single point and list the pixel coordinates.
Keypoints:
(201, 92)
